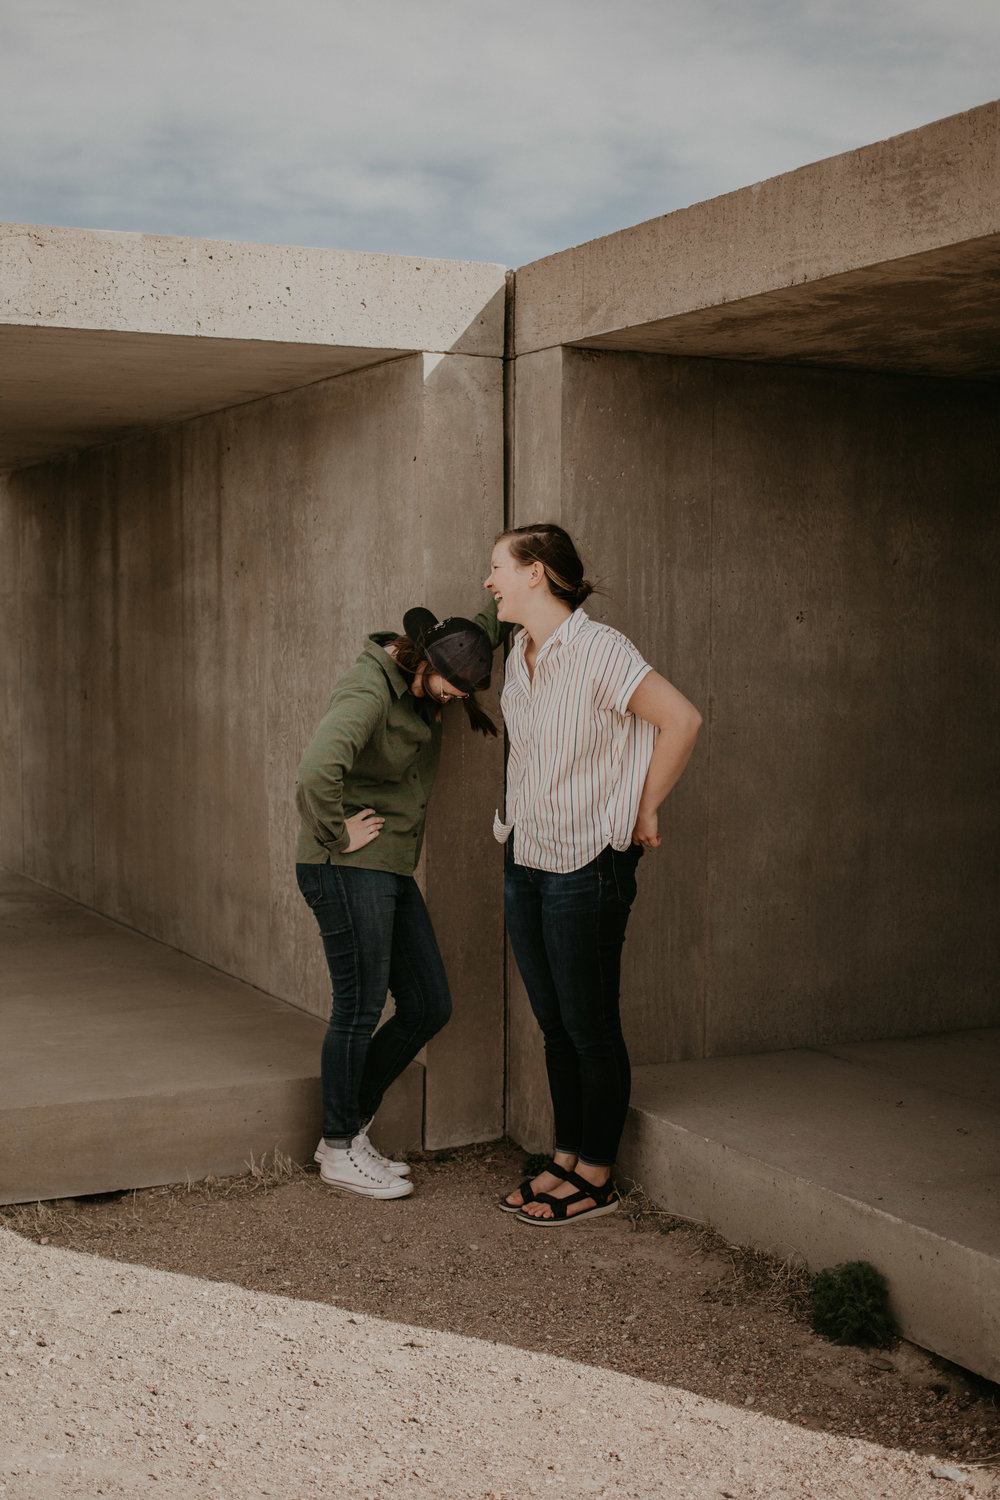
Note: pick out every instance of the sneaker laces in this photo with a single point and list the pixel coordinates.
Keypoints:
(364, 1164)
(373, 1153)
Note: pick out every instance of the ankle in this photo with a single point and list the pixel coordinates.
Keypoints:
(567, 1159)
(597, 1175)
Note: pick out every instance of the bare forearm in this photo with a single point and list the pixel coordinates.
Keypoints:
(670, 756)
(658, 702)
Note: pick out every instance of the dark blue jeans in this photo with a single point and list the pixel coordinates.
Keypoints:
(567, 933)
(378, 936)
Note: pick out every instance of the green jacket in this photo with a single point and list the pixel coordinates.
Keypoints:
(376, 746)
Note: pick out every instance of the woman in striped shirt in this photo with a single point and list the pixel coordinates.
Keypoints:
(597, 740)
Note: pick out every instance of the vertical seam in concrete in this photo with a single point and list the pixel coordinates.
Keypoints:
(19, 513)
(708, 977)
(508, 381)
(90, 611)
(508, 399)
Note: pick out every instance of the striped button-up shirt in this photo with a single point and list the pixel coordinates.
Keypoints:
(578, 758)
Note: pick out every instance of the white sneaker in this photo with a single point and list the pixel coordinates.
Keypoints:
(363, 1145)
(351, 1172)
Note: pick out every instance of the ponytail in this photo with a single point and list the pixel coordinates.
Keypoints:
(477, 717)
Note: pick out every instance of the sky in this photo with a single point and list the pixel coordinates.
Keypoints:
(479, 131)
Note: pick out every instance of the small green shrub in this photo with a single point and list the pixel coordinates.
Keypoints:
(850, 1305)
(535, 1164)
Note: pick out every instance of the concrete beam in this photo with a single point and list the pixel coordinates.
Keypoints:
(106, 334)
(156, 283)
(887, 257)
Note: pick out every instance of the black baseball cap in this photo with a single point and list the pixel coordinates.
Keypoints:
(457, 649)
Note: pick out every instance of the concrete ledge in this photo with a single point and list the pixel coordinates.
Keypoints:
(129, 1064)
(155, 283)
(883, 1152)
(918, 214)
(112, 333)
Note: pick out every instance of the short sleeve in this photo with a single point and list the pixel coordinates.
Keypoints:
(618, 670)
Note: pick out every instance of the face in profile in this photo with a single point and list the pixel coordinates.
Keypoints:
(508, 583)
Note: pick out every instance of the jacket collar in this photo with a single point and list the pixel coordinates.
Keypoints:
(375, 649)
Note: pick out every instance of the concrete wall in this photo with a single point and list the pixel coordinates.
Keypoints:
(181, 604)
(812, 558)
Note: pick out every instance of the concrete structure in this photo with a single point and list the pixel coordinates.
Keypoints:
(878, 1151)
(772, 423)
(176, 603)
(128, 1064)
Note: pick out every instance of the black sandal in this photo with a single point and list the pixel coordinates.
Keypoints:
(605, 1202)
(528, 1195)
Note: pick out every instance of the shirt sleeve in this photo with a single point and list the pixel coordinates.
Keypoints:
(497, 630)
(354, 714)
(618, 671)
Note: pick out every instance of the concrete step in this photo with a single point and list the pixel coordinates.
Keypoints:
(877, 1151)
(125, 1063)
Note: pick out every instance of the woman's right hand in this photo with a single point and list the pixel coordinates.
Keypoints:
(363, 828)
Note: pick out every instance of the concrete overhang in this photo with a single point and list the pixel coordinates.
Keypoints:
(106, 334)
(886, 258)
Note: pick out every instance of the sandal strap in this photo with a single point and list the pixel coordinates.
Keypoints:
(524, 1188)
(559, 1206)
(600, 1195)
(528, 1194)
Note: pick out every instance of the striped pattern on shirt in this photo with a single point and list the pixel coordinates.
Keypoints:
(578, 758)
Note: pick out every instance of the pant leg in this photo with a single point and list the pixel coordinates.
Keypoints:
(584, 919)
(355, 910)
(525, 927)
(419, 989)
(567, 932)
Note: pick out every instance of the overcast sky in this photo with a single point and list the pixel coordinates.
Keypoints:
(474, 130)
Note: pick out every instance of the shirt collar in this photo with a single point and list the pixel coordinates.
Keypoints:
(561, 637)
(375, 648)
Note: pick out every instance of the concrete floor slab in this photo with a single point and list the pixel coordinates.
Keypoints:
(878, 1151)
(126, 1063)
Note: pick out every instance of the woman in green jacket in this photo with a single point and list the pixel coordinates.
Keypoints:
(362, 793)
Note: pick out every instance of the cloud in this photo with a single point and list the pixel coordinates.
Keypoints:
(478, 130)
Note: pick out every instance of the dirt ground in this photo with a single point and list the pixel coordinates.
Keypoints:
(637, 1292)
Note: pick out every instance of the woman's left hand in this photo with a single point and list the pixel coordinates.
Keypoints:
(647, 831)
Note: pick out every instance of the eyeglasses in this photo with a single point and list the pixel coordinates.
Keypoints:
(446, 694)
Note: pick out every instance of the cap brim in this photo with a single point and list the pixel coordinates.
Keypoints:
(416, 623)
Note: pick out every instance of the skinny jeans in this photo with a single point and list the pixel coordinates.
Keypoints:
(567, 932)
(377, 936)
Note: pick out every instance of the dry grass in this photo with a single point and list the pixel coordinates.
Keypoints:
(67, 1220)
(754, 1274)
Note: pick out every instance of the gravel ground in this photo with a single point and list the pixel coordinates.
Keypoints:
(319, 1343)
